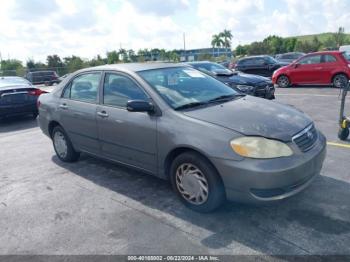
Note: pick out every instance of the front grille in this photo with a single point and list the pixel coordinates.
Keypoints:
(263, 89)
(306, 139)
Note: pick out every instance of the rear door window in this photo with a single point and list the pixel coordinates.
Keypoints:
(328, 59)
(309, 60)
(83, 88)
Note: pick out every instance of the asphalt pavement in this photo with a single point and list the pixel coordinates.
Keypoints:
(95, 207)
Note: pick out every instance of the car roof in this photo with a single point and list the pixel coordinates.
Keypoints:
(199, 62)
(326, 53)
(11, 77)
(255, 56)
(134, 67)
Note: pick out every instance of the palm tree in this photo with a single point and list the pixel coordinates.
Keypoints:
(216, 42)
(227, 35)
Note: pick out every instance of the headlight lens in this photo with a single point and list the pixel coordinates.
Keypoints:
(260, 147)
(245, 88)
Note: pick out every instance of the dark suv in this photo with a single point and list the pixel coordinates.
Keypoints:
(259, 65)
(43, 77)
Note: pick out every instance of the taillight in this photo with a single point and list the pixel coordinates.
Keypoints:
(36, 92)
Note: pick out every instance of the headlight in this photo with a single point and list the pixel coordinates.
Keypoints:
(245, 88)
(260, 147)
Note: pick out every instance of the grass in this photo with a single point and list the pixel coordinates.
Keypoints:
(322, 37)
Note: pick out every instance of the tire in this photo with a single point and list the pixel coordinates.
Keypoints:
(35, 115)
(209, 178)
(63, 146)
(283, 81)
(343, 133)
(339, 80)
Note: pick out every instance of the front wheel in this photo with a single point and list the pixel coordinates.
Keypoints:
(197, 183)
(340, 80)
(283, 81)
(63, 146)
(343, 133)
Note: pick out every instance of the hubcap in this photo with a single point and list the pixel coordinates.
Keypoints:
(192, 184)
(339, 80)
(283, 81)
(60, 144)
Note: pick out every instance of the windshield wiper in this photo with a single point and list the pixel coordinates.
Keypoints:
(190, 105)
(224, 98)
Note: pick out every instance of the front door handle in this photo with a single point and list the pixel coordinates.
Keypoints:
(64, 106)
(102, 114)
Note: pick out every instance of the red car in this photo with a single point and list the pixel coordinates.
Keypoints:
(320, 68)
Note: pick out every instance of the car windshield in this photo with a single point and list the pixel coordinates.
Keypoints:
(211, 67)
(271, 60)
(10, 81)
(346, 55)
(184, 86)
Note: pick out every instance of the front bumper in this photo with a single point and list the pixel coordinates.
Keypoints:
(262, 181)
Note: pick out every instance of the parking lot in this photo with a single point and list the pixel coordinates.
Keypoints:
(95, 207)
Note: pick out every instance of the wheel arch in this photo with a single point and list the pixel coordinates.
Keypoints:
(339, 73)
(175, 152)
(52, 125)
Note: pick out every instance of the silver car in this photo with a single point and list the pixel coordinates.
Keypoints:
(172, 121)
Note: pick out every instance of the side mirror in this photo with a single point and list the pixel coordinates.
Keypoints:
(139, 106)
(296, 65)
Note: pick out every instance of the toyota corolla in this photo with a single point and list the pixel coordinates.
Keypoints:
(212, 142)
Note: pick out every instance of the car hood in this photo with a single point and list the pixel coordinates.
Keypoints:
(244, 79)
(253, 116)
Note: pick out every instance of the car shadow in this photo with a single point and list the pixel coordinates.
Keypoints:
(317, 221)
(17, 123)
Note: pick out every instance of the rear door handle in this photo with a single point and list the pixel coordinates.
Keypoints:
(63, 106)
(102, 114)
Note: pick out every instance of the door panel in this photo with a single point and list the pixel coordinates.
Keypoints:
(128, 137)
(307, 70)
(79, 121)
(78, 107)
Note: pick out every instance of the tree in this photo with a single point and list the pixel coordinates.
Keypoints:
(54, 62)
(339, 37)
(217, 42)
(112, 57)
(12, 67)
(227, 35)
(98, 60)
(74, 63)
(241, 50)
(131, 55)
(30, 64)
(316, 44)
(289, 44)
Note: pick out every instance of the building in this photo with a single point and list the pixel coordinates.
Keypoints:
(202, 53)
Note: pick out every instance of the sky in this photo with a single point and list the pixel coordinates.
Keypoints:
(33, 29)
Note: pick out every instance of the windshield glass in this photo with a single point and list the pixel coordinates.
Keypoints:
(10, 81)
(183, 85)
(271, 60)
(211, 67)
(346, 55)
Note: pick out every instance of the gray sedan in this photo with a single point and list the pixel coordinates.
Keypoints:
(212, 142)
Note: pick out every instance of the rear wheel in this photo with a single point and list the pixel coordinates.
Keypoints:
(343, 133)
(63, 146)
(35, 115)
(197, 183)
(340, 80)
(283, 81)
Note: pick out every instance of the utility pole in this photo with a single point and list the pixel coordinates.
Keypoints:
(184, 38)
